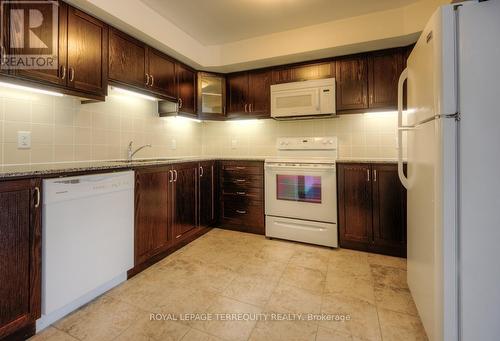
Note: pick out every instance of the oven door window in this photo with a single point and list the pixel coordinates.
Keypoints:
(304, 188)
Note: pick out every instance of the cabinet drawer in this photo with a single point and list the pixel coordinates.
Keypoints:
(242, 183)
(236, 168)
(235, 191)
(243, 212)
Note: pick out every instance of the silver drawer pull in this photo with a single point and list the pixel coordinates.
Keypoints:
(241, 212)
(240, 193)
(240, 180)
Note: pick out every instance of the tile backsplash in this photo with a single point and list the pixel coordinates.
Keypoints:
(62, 129)
(360, 136)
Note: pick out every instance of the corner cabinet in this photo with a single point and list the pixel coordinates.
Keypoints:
(372, 208)
(211, 99)
(20, 258)
(249, 94)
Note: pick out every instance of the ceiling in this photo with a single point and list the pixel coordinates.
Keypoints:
(213, 22)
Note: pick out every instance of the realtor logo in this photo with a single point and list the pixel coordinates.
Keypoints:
(30, 30)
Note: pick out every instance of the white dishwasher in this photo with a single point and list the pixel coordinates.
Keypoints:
(87, 239)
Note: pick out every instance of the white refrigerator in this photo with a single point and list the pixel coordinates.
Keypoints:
(452, 132)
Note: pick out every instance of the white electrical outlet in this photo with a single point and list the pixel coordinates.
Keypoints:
(234, 143)
(173, 144)
(23, 139)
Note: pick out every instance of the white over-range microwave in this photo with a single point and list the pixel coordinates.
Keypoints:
(307, 99)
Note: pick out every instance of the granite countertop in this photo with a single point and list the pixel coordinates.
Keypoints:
(365, 160)
(69, 168)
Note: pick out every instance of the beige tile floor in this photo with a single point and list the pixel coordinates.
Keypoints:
(232, 272)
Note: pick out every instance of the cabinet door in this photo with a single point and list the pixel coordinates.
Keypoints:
(87, 53)
(259, 93)
(352, 83)
(237, 93)
(56, 75)
(127, 59)
(383, 74)
(303, 72)
(207, 193)
(389, 211)
(152, 217)
(186, 89)
(162, 72)
(355, 205)
(185, 199)
(20, 255)
(211, 95)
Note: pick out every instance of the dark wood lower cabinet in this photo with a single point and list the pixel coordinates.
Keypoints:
(242, 196)
(207, 193)
(20, 258)
(372, 208)
(185, 199)
(152, 212)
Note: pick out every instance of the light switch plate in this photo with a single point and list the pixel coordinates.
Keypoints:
(234, 143)
(173, 144)
(23, 139)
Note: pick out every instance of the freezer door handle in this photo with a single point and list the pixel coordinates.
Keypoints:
(401, 129)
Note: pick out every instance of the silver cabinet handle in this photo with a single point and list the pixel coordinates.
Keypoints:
(374, 175)
(201, 171)
(170, 176)
(240, 167)
(63, 71)
(246, 107)
(250, 107)
(241, 211)
(147, 79)
(175, 173)
(71, 74)
(240, 193)
(367, 175)
(240, 180)
(180, 103)
(37, 192)
(152, 80)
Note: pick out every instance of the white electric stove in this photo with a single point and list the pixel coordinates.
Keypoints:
(301, 191)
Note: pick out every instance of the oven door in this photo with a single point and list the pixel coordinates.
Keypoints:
(301, 191)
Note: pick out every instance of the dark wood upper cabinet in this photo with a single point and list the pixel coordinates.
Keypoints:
(185, 198)
(20, 257)
(259, 93)
(372, 208)
(355, 205)
(384, 69)
(152, 215)
(55, 75)
(237, 90)
(389, 210)
(352, 83)
(211, 99)
(304, 72)
(249, 94)
(87, 53)
(127, 59)
(208, 180)
(161, 72)
(186, 88)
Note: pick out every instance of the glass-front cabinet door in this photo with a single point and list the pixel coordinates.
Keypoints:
(211, 95)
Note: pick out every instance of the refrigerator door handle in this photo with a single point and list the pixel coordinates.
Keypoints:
(402, 177)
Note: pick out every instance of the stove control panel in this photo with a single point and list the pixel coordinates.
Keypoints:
(307, 143)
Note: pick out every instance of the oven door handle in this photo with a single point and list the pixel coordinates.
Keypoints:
(319, 168)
